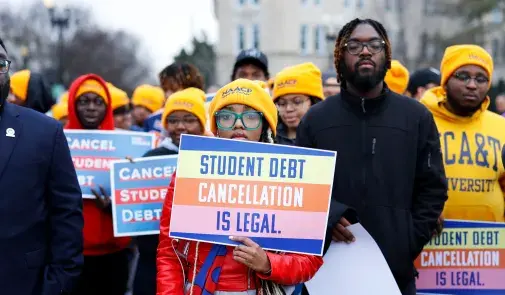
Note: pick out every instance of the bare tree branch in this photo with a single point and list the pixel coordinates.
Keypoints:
(87, 48)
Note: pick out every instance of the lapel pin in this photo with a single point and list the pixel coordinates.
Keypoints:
(9, 132)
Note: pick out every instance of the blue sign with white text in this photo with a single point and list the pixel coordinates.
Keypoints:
(138, 193)
(93, 150)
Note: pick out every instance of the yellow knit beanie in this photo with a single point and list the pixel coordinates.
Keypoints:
(397, 77)
(150, 97)
(193, 92)
(19, 83)
(118, 97)
(186, 100)
(245, 92)
(304, 79)
(60, 110)
(93, 87)
(457, 56)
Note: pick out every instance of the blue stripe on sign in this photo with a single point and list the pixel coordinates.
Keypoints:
(138, 210)
(297, 245)
(469, 224)
(460, 292)
(200, 143)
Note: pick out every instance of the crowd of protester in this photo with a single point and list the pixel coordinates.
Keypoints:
(406, 139)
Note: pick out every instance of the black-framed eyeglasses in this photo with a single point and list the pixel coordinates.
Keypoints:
(5, 66)
(226, 120)
(356, 47)
(465, 78)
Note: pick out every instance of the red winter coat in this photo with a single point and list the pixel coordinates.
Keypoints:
(287, 269)
(98, 232)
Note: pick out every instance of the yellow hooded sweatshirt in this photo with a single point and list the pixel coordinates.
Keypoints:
(472, 149)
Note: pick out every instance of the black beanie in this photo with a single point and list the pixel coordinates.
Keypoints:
(423, 77)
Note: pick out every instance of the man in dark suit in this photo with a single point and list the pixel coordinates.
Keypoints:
(40, 201)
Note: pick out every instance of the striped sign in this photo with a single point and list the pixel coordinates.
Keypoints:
(138, 192)
(277, 195)
(468, 258)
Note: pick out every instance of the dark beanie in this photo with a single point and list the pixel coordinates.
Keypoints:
(254, 57)
(423, 77)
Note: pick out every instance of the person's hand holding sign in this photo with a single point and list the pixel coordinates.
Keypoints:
(341, 233)
(251, 255)
(102, 199)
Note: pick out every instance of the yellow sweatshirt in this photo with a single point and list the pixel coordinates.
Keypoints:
(472, 149)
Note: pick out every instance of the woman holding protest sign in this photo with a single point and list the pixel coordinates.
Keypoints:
(184, 113)
(241, 110)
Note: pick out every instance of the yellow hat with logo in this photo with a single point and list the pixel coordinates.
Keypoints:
(304, 79)
(457, 56)
(245, 92)
(186, 100)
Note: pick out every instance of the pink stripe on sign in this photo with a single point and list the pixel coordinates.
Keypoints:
(464, 278)
(248, 222)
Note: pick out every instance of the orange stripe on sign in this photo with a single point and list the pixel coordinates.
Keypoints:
(251, 194)
(478, 258)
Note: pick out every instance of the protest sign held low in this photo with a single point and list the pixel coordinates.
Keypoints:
(467, 258)
(138, 193)
(277, 195)
(93, 151)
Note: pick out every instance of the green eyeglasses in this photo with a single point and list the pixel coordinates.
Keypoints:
(226, 120)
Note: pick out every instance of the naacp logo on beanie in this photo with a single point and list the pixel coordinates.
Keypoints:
(237, 90)
(186, 104)
(287, 83)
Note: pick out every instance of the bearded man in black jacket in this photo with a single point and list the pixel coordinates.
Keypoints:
(389, 163)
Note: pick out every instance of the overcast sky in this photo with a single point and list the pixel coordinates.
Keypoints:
(164, 26)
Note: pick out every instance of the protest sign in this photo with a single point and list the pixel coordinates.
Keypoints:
(138, 192)
(277, 195)
(467, 258)
(93, 150)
